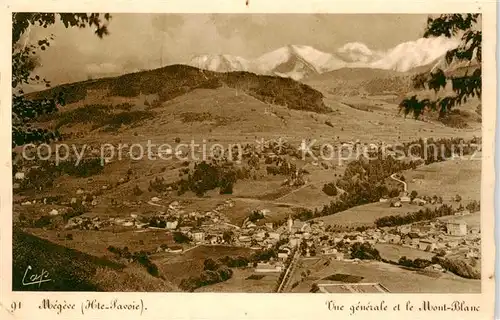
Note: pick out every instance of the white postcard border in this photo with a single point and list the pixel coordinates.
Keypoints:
(241, 305)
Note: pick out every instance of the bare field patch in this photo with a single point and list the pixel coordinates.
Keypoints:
(175, 267)
(393, 252)
(365, 215)
(97, 242)
(240, 282)
(257, 188)
(396, 279)
(447, 179)
(310, 196)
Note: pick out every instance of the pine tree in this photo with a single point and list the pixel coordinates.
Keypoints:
(464, 86)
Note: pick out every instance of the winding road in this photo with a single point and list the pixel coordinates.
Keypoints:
(156, 204)
(404, 183)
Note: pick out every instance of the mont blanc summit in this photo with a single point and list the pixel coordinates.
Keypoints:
(302, 61)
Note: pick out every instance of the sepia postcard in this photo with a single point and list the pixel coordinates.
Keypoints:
(248, 159)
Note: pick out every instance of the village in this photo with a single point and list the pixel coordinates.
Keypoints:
(279, 240)
(289, 238)
(439, 236)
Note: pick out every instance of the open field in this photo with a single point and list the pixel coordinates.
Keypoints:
(447, 179)
(393, 252)
(365, 215)
(310, 196)
(176, 267)
(396, 279)
(240, 283)
(241, 209)
(256, 188)
(248, 119)
(97, 242)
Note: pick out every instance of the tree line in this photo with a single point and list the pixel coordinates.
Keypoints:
(142, 257)
(420, 215)
(213, 272)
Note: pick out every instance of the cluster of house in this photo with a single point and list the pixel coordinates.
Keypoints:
(405, 198)
(82, 198)
(434, 236)
(97, 223)
(451, 237)
(267, 235)
(207, 227)
(87, 223)
(210, 227)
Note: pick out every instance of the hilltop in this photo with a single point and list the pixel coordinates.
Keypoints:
(176, 80)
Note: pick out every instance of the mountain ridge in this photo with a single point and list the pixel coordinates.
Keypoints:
(302, 61)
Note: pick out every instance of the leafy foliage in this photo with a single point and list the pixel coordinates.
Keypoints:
(264, 255)
(255, 216)
(465, 86)
(43, 177)
(142, 257)
(238, 262)
(417, 263)
(461, 267)
(364, 251)
(213, 272)
(24, 62)
(208, 176)
(330, 189)
(179, 237)
(473, 206)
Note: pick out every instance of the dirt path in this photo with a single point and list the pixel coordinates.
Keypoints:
(404, 183)
(248, 200)
(231, 225)
(295, 190)
(156, 204)
(253, 200)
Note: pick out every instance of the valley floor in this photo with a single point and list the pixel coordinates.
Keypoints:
(127, 221)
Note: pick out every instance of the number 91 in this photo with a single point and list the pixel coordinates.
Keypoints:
(15, 305)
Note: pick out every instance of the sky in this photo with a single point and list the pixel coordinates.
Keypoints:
(147, 41)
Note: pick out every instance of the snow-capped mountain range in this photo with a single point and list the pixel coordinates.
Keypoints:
(299, 61)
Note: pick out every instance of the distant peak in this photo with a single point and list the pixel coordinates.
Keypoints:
(299, 60)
